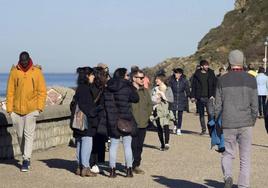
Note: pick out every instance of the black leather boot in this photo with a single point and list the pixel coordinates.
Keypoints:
(112, 173)
(129, 173)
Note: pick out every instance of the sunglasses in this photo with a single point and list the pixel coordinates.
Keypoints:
(141, 77)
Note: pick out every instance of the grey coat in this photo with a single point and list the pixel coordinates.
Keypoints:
(237, 98)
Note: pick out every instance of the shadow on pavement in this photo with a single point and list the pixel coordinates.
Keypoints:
(215, 184)
(61, 164)
(258, 145)
(12, 162)
(175, 183)
(150, 146)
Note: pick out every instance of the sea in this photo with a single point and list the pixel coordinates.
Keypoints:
(52, 79)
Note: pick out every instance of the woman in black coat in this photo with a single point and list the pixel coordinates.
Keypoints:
(84, 98)
(181, 91)
(99, 140)
(118, 96)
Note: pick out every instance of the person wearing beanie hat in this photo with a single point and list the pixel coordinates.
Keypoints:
(237, 103)
(236, 57)
(26, 96)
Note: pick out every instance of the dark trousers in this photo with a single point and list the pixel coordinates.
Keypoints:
(261, 100)
(266, 117)
(178, 118)
(98, 150)
(161, 132)
(203, 103)
(137, 146)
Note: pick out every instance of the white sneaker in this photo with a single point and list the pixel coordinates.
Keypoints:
(174, 129)
(95, 169)
(178, 132)
(167, 146)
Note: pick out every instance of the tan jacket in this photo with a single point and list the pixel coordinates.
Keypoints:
(26, 91)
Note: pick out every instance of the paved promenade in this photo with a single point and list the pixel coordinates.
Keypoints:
(189, 163)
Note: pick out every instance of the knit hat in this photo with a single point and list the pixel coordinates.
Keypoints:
(102, 65)
(236, 57)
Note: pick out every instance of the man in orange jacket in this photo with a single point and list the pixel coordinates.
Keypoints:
(26, 95)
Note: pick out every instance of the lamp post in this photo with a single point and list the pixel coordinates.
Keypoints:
(265, 53)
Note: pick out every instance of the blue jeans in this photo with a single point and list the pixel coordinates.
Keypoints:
(83, 150)
(127, 149)
(178, 118)
(261, 100)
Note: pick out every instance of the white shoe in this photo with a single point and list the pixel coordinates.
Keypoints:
(178, 132)
(174, 129)
(95, 169)
(167, 146)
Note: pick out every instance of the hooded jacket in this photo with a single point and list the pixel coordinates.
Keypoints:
(118, 96)
(26, 91)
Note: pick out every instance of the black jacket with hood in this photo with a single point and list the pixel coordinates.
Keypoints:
(118, 96)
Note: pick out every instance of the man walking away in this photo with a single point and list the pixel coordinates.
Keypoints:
(141, 111)
(237, 101)
(26, 95)
(203, 91)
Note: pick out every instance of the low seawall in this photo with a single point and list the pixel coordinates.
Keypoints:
(52, 129)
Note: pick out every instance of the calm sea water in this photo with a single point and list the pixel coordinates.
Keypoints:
(62, 79)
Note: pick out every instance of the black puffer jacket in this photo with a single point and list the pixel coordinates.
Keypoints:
(181, 92)
(118, 97)
(197, 85)
(84, 97)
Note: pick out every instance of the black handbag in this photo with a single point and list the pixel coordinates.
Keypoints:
(123, 125)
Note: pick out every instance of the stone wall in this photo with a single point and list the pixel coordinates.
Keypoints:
(52, 130)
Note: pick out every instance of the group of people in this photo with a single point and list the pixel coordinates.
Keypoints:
(104, 100)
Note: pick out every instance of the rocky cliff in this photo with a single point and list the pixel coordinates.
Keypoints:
(243, 28)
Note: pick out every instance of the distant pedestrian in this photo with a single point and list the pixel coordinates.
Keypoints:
(141, 111)
(251, 70)
(203, 92)
(162, 117)
(191, 83)
(221, 72)
(237, 101)
(181, 91)
(26, 96)
(262, 83)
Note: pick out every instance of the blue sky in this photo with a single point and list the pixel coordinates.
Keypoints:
(64, 34)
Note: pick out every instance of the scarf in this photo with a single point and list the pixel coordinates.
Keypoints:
(26, 68)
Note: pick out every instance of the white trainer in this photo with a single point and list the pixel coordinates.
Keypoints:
(178, 132)
(95, 169)
(174, 129)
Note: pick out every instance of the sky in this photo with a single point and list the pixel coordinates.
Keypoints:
(62, 35)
